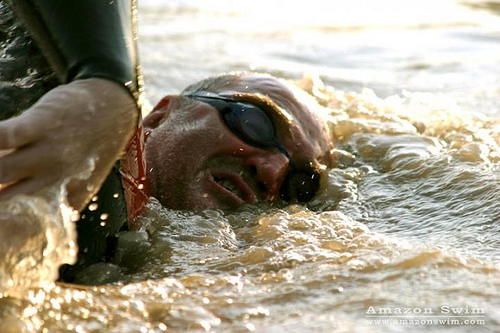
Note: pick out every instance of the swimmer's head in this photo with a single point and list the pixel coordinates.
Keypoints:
(235, 139)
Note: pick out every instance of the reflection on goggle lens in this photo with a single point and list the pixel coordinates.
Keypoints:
(253, 125)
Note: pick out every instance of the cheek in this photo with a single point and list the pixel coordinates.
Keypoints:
(178, 134)
(171, 170)
(169, 151)
(177, 154)
(177, 150)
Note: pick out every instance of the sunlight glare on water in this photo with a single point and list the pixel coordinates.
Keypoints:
(440, 47)
(265, 15)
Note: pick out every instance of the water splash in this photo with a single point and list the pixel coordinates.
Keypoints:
(37, 235)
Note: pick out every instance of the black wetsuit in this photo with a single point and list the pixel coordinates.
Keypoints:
(78, 39)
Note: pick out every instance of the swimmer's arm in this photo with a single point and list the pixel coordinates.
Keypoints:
(91, 46)
(90, 119)
(86, 38)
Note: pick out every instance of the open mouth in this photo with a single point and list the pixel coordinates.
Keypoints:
(229, 185)
(232, 185)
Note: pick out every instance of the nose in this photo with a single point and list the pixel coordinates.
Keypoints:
(270, 170)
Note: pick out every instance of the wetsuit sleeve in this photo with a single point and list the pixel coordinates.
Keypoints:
(88, 38)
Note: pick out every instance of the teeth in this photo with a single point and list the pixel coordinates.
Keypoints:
(229, 185)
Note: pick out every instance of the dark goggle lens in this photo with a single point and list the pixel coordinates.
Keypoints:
(251, 124)
(300, 185)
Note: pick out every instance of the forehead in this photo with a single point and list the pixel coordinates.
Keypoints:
(291, 102)
(297, 116)
(275, 90)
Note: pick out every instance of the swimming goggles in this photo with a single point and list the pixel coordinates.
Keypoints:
(254, 126)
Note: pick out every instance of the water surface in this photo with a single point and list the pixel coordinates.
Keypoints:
(409, 218)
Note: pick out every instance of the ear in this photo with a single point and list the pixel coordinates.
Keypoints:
(160, 111)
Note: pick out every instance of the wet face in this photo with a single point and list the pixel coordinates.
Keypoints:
(195, 161)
